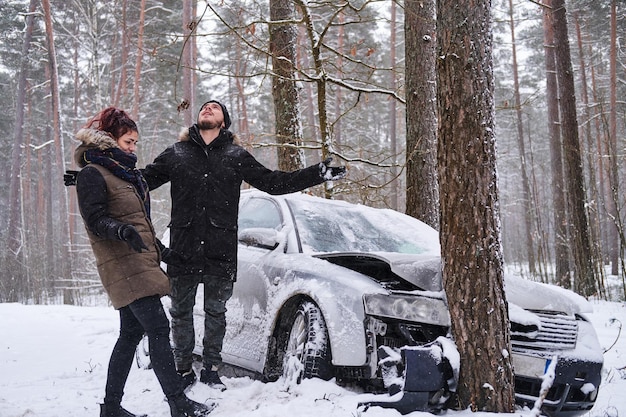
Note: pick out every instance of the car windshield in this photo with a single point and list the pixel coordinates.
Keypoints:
(339, 227)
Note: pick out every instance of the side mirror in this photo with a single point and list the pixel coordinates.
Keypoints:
(263, 238)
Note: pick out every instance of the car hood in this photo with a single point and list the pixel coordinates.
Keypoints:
(531, 295)
(408, 272)
(394, 271)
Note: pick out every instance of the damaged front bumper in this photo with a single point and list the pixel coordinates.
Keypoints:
(573, 391)
(421, 378)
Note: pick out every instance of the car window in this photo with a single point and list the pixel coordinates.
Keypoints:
(260, 212)
(327, 227)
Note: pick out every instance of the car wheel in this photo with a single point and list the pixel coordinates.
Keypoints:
(307, 351)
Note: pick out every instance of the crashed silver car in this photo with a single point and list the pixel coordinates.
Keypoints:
(331, 289)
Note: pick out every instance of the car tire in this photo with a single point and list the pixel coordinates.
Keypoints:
(307, 350)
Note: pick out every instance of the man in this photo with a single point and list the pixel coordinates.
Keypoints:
(205, 169)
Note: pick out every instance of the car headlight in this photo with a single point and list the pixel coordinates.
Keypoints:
(407, 308)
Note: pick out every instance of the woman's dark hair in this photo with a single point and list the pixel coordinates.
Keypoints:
(113, 121)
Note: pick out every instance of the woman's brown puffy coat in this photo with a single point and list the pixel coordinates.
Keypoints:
(106, 204)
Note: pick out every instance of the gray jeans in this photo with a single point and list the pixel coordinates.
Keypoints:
(217, 291)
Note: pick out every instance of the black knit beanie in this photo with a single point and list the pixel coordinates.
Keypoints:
(224, 110)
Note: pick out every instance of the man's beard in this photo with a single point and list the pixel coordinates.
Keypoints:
(208, 125)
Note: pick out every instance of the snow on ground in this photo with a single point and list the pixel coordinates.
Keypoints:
(53, 362)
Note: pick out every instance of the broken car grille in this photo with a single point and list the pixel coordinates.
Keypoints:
(557, 332)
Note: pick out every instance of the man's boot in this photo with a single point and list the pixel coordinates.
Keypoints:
(187, 378)
(212, 379)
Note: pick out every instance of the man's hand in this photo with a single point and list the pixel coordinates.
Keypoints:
(169, 256)
(329, 173)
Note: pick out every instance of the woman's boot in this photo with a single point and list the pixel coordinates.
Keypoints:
(116, 410)
(181, 406)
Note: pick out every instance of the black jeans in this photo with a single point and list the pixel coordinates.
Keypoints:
(145, 315)
(217, 291)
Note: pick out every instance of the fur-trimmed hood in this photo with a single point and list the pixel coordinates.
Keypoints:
(92, 138)
(185, 136)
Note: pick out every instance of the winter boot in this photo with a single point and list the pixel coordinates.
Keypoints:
(116, 410)
(212, 379)
(187, 378)
(181, 406)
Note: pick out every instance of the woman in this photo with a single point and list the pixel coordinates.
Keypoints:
(115, 206)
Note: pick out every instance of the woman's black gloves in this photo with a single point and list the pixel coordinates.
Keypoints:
(129, 234)
(69, 178)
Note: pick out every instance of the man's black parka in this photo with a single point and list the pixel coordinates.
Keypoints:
(205, 183)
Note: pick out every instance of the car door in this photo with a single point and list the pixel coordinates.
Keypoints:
(248, 321)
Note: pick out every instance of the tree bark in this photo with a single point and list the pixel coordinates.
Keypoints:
(61, 237)
(393, 184)
(188, 63)
(561, 248)
(470, 218)
(613, 198)
(11, 288)
(243, 126)
(136, 95)
(593, 167)
(120, 92)
(283, 37)
(422, 189)
(320, 82)
(526, 195)
(341, 38)
(584, 278)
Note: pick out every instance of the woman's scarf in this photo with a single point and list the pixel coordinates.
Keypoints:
(122, 165)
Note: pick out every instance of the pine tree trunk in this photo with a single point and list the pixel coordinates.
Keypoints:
(187, 63)
(422, 189)
(592, 156)
(613, 198)
(393, 183)
(239, 103)
(283, 37)
(562, 269)
(61, 236)
(14, 273)
(120, 92)
(470, 219)
(138, 61)
(341, 38)
(526, 196)
(602, 145)
(584, 278)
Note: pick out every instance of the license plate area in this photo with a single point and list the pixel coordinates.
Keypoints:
(529, 366)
